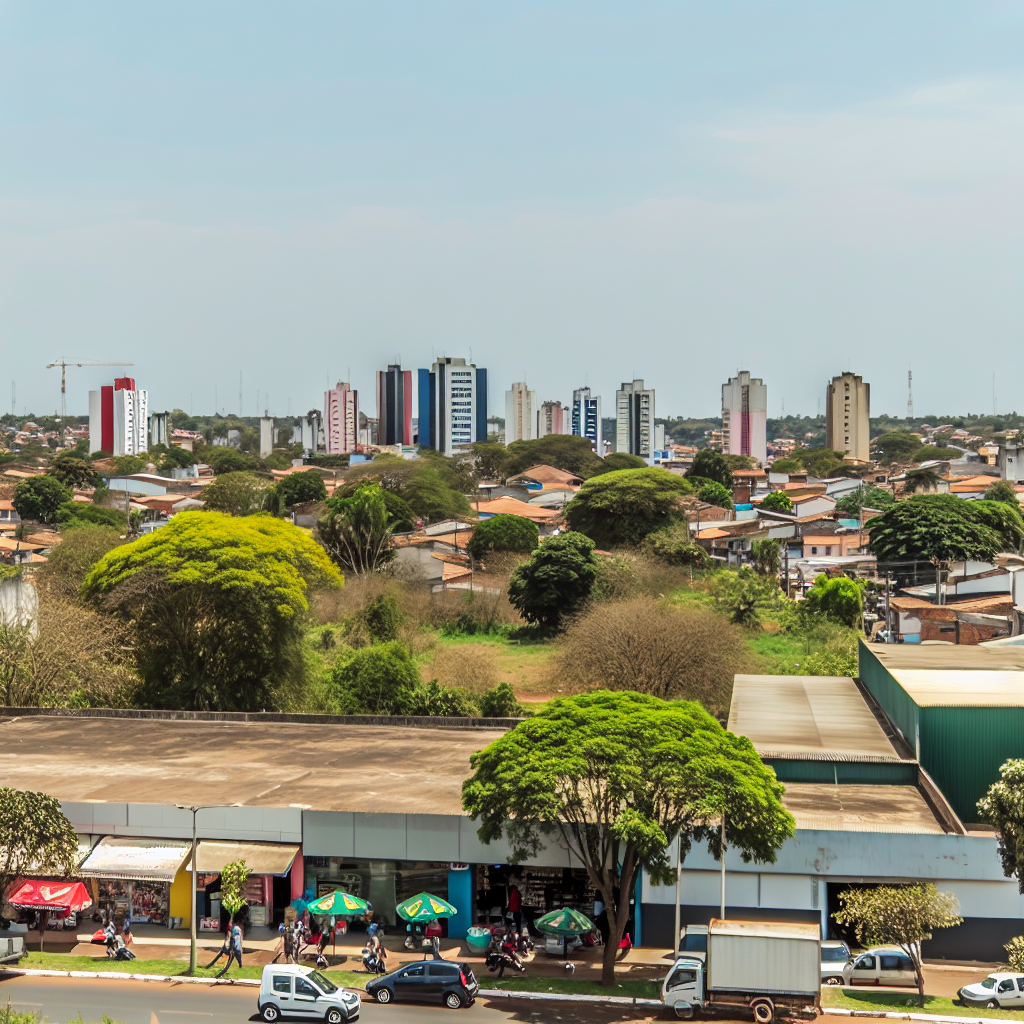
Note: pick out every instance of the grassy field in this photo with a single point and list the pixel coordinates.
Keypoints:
(62, 962)
(891, 1002)
(463, 660)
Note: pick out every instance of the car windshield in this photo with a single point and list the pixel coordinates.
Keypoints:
(322, 983)
(989, 983)
(835, 954)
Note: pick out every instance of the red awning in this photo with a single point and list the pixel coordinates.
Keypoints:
(72, 896)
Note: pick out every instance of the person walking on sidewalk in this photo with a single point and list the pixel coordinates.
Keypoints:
(234, 949)
(225, 950)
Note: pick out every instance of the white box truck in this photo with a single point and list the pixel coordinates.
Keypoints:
(763, 966)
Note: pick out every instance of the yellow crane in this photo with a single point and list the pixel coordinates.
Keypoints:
(64, 364)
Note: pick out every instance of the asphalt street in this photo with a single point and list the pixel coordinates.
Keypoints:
(135, 1002)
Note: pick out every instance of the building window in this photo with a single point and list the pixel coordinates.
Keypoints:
(814, 551)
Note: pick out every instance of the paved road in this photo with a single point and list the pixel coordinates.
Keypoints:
(136, 1002)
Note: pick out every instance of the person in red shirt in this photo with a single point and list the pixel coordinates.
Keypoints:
(515, 906)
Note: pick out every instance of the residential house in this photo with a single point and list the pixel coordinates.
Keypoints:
(545, 478)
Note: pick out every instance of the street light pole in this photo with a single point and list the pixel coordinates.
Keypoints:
(722, 908)
(192, 918)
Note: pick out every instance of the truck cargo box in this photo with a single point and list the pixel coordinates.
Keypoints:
(770, 957)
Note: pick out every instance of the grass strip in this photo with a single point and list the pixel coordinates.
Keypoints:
(575, 987)
(890, 1002)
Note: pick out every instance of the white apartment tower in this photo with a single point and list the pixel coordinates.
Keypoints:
(634, 419)
(519, 413)
(341, 419)
(847, 416)
(745, 416)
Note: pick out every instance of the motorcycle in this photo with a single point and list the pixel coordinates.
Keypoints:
(372, 963)
(504, 957)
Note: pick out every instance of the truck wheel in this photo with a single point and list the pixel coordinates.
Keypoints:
(834, 981)
(764, 1011)
(684, 1011)
(992, 1004)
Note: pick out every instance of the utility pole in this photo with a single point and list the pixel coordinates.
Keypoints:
(910, 394)
(679, 886)
(722, 908)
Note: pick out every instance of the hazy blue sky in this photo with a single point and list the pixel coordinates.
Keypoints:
(573, 191)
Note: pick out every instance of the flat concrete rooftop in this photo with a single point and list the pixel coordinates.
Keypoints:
(809, 715)
(373, 769)
(859, 808)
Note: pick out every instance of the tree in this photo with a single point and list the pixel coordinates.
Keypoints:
(80, 513)
(915, 480)
(35, 837)
(865, 496)
(237, 494)
(220, 601)
(224, 459)
(499, 702)
(434, 700)
(377, 680)
(899, 915)
(433, 500)
(710, 465)
(1002, 807)
(767, 557)
(777, 501)
(491, 460)
(933, 453)
(125, 465)
(943, 527)
(896, 446)
(619, 460)
(356, 532)
(788, 464)
(614, 778)
(173, 457)
(673, 546)
(619, 509)
(1002, 490)
(301, 488)
(1015, 953)
(648, 646)
(840, 599)
(383, 618)
(820, 462)
(427, 485)
(40, 497)
(715, 494)
(739, 461)
(563, 451)
(503, 533)
(72, 472)
(556, 581)
(233, 879)
(738, 595)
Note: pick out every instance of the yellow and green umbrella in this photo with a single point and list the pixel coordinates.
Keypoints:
(565, 922)
(424, 907)
(338, 903)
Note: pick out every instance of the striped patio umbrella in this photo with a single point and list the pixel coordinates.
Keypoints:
(424, 907)
(565, 922)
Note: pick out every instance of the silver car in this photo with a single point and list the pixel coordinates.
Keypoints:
(1004, 989)
(835, 955)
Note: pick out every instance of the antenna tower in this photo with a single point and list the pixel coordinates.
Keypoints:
(910, 394)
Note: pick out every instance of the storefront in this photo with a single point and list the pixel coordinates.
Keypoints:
(135, 876)
(541, 889)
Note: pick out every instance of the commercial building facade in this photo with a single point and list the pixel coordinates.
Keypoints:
(119, 418)
(847, 416)
(341, 419)
(452, 405)
(745, 416)
(551, 419)
(394, 406)
(634, 419)
(520, 404)
(586, 417)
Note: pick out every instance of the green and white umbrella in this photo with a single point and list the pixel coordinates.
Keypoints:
(565, 922)
(337, 903)
(424, 907)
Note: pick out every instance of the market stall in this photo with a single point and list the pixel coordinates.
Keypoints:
(57, 899)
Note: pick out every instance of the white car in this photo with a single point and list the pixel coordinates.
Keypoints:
(12, 948)
(880, 967)
(997, 990)
(835, 955)
(289, 990)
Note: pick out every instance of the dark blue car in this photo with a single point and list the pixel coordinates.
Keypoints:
(427, 981)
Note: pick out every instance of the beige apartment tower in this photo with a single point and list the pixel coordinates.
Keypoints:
(847, 415)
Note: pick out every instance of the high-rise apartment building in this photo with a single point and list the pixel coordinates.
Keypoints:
(394, 405)
(119, 418)
(586, 417)
(452, 405)
(848, 415)
(341, 419)
(519, 413)
(634, 419)
(552, 418)
(745, 416)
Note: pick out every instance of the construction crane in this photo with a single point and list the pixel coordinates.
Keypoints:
(64, 364)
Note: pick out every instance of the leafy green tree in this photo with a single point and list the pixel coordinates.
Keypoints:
(619, 460)
(710, 465)
(220, 601)
(767, 557)
(613, 778)
(899, 915)
(556, 581)
(1002, 807)
(35, 837)
(866, 496)
(896, 446)
(673, 546)
(233, 879)
(225, 459)
(301, 488)
(915, 480)
(777, 501)
(715, 494)
(237, 494)
(930, 452)
(72, 472)
(821, 462)
(40, 497)
(173, 457)
(788, 464)
(839, 598)
(80, 513)
(383, 619)
(377, 680)
(739, 461)
(1002, 490)
(500, 702)
(619, 509)
(503, 533)
(433, 500)
(1015, 953)
(563, 451)
(433, 700)
(943, 527)
(427, 486)
(739, 594)
(356, 531)
(70, 561)
(491, 460)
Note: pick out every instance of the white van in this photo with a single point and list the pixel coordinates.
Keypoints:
(289, 990)
(12, 948)
(880, 967)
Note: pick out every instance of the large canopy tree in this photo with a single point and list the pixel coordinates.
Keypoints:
(710, 465)
(614, 778)
(556, 581)
(356, 531)
(1002, 807)
(621, 508)
(218, 600)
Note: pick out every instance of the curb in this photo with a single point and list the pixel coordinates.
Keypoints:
(35, 972)
(631, 1001)
(837, 1011)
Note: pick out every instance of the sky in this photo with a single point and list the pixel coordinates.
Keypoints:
(568, 193)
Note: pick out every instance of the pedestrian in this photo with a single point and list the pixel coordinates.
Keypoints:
(234, 949)
(298, 937)
(225, 950)
(126, 927)
(515, 905)
(110, 936)
(286, 929)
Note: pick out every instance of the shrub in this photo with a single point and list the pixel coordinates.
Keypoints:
(557, 580)
(1002, 490)
(40, 497)
(301, 488)
(713, 493)
(78, 513)
(1015, 953)
(739, 594)
(777, 501)
(382, 618)
(839, 599)
(377, 680)
(500, 702)
(473, 667)
(648, 646)
(449, 701)
(70, 561)
(503, 533)
(673, 546)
